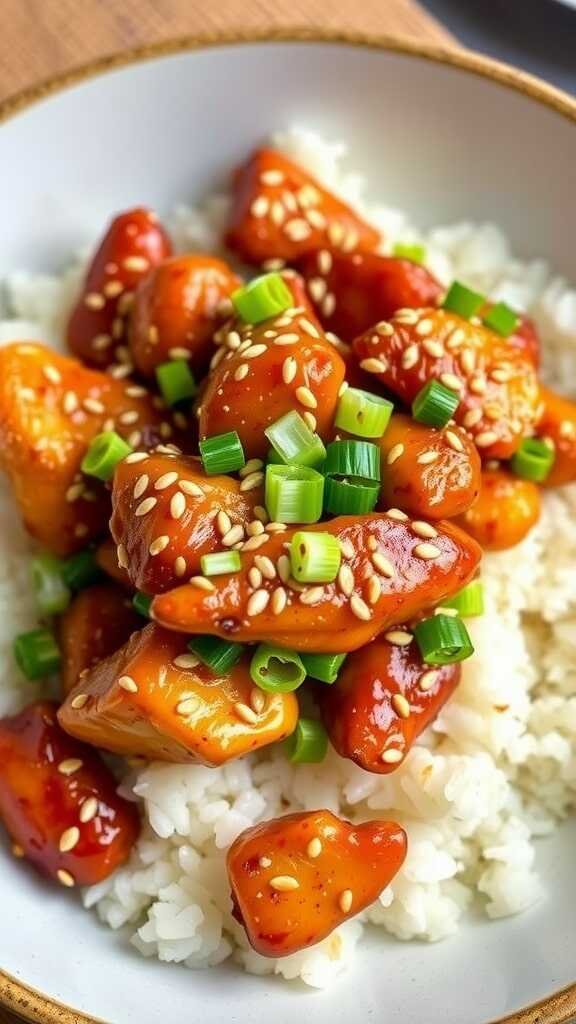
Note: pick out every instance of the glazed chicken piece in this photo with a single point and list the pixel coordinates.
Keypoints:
(427, 472)
(353, 291)
(280, 212)
(134, 242)
(558, 426)
(177, 308)
(58, 801)
(167, 513)
(495, 381)
(98, 621)
(384, 697)
(51, 408)
(295, 879)
(505, 511)
(281, 364)
(153, 698)
(388, 573)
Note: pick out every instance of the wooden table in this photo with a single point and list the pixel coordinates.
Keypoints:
(41, 38)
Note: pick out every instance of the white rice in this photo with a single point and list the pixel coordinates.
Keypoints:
(496, 770)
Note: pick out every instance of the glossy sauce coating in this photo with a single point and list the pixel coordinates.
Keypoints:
(177, 308)
(279, 211)
(389, 572)
(495, 381)
(384, 697)
(134, 242)
(156, 700)
(558, 426)
(505, 511)
(58, 800)
(107, 559)
(167, 513)
(96, 623)
(294, 879)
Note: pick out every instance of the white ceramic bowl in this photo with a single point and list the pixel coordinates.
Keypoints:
(447, 136)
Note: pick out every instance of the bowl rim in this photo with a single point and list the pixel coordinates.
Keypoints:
(15, 995)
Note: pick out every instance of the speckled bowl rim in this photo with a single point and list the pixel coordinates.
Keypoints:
(33, 1006)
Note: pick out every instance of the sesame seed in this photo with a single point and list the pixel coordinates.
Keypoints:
(177, 505)
(394, 454)
(246, 713)
(374, 590)
(250, 467)
(272, 177)
(165, 481)
(401, 705)
(135, 457)
(424, 529)
(257, 700)
(117, 332)
(94, 300)
(406, 316)
(52, 374)
(284, 568)
(252, 480)
(277, 213)
(260, 206)
(313, 595)
(567, 429)
(335, 233)
(122, 556)
(128, 684)
(266, 566)
(426, 458)
(145, 506)
(297, 230)
(92, 405)
(254, 351)
(179, 353)
(328, 304)
(493, 411)
(398, 637)
(317, 288)
(450, 381)
(410, 357)
(253, 543)
(65, 878)
(427, 681)
(69, 839)
(187, 706)
(478, 385)
(257, 602)
(140, 486)
(486, 438)
(255, 528)
(234, 534)
(101, 342)
(500, 376)
(286, 339)
(426, 551)
(135, 391)
(223, 522)
(158, 545)
(79, 701)
(129, 417)
(265, 862)
(309, 328)
(384, 328)
(241, 371)
(347, 548)
(310, 419)
(359, 608)
(74, 492)
(189, 487)
(433, 348)
(112, 289)
(186, 661)
(424, 327)
(396, 513)
(202, 583)
(383, 565)
(279, 600)
(345, 901)
(69, 766)
(392, 755)
(289, 369)
(136, 263)
(346, 580)
(88, 810)
(306, 397)
(314, 848)
(468, 360)
(373, 365)
(70, 402)
(457, 337)
(255, 577)
(452, 613)
(284, 883)
(454, 441)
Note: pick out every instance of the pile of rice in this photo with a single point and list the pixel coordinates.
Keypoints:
(496, 770)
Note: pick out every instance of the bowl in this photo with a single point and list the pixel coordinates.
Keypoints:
(447, 134)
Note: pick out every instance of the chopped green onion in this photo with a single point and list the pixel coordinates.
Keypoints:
(315, 557)
(435, 404)
(262, 298)
(362, 413)
(324, 667)
(502, 319)
(37, 653)
(469, 601)
(443, 640)
(462, 300)
(176, 381)
(308, 743)
(222, 453)
(141, 602)
(104, 454)
(408, 251)
(533, 460)
(350, 497)
(353, 459)
(273, 459)
(276, 670)
(80, 570)
(294, 442)
(52, 594)
(293, 494)
(219, 655)
(221, 562)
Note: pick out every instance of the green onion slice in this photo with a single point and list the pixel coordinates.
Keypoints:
(308, 743)
(262, 298)
(469, 601)
(533, 460)
(315, 557)
(410, 251)
(502, 319)
(220, 562)
(81, 570)
(37, 653)
(176, 381)
(219, 655)
(362, 413)
(294, 442)
(141, 602)
(52, 594)
(435, 404)
(104, 454)
(353, 459)
(462, 300)
(324, 667)
(276, 670)
(443, 640)
(350, 497)
(222, 453)
(293, 494)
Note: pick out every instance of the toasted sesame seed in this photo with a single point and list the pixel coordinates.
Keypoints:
(260, 207)
(70, 402)
(257, 700)
(177, 505)
(374, 590)
(478, 385)
(308, 327)
(373, 365)
(223, 522)
(252, 480)
(189, 487)
(74, 492)
(128, 684)
(284, 568)
(345, 901)
(255, 577)
(396, 513)
(500, 376)
(254, 351)
(129, 417)
(179, 353)
(88, 810)
(246, 713)
(423, 529)
(65, 878)
(317, 288)
(384, 328)
(202, 583)
(187, 706)
(335, 233)
(140, 486)
(279, 601)
(394, 454)
(485, 438)
(286, 339)
(257, 602)
(272, 177)
(79, 701)
(241, 371)
(289, 369)
(391, 756)
(145, 506)
(398, 637)
(234, 534)
(314, 848)
(401, 705)
(457, 337)
(468, 360)
(328, 304)
(452, 613)
(165, 481)
(101, 342)
(347, 548)
(122, 556)
(427, 681)
(493, 411)
(69, 766)
(266, 566)
(250, 467)
(346, 580)
(410, 356)
(359, 608)
(406, 316)
(426, 458)
(297, 229)
(454, 441)
(451, 381)
(284, 883)
(426, 551)
(312, 595)
(94, 300)
(92, 405)
(253, 543)
(52, 374)
(135, 457)
(186, 661)
(69, 839)
(306, 397)
(158, 545)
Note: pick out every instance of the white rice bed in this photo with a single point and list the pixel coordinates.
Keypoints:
(496, 770)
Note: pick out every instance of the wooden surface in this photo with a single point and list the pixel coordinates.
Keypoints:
(41, 38)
